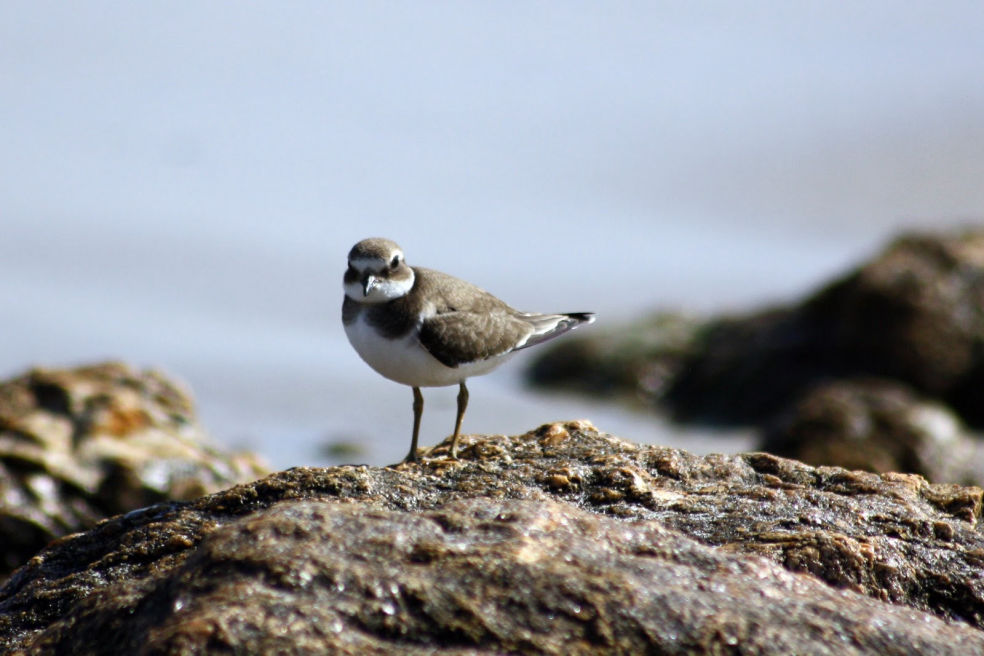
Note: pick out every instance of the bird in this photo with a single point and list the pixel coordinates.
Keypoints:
(424, 328)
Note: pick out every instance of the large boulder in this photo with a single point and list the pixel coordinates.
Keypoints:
(913, 313)
(564, 540)
(79, 445)
(877, 425)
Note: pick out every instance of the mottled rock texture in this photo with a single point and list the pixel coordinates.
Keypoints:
(562, 541)
(79, 445)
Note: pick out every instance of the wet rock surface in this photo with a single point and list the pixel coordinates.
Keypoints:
(564, 540)
(79, 445)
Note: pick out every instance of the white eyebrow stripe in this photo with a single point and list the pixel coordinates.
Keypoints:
(366, 263)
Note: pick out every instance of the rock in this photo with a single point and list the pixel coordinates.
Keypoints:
(563, 541)
(80, 445)
(877, 425)
(914, 313)
(640, 360)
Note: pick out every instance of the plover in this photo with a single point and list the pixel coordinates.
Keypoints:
(424, 328)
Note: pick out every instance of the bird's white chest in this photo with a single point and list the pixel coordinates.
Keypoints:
(406, 361)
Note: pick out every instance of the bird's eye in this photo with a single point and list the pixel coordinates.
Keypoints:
(395, 261)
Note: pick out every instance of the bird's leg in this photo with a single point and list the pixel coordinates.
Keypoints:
(462, 404)
(418, 411)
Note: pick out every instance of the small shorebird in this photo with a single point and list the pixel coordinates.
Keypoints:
(424, 328)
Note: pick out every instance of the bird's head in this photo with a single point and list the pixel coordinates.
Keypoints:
(377, 272)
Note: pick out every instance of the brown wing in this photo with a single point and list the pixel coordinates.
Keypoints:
(456, 338)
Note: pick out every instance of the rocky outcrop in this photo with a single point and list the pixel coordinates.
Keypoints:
(79, 445)
(564, 540)
(913, 315)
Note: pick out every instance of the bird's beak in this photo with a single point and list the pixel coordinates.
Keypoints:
(369, 282)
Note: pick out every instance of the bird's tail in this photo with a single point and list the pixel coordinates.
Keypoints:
(548, 326)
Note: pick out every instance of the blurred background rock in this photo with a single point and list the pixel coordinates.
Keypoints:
(880, 369)
(80, 445)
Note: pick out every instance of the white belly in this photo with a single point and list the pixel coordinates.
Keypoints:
(406, 361)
